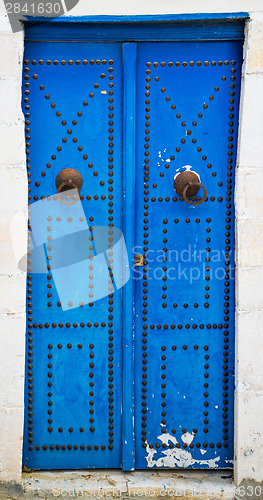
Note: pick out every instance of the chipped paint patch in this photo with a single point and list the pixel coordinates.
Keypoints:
(165, 438)
(176, 457)
(187, 438)
(187, 168)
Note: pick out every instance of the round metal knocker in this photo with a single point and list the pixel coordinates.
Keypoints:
(66, 180)
(188, 182)
(188, 186)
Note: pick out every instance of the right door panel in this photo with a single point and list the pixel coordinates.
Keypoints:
(187, 117)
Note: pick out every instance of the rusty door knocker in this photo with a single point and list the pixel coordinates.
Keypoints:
(187, 185)
(67, 179)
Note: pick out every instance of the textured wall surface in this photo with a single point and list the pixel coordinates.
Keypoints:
(249, 225)
(13, 199)
(249, 260)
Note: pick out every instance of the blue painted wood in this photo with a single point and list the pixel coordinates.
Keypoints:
(136, 29)
(187, 114)
(74, 356)
(129, 114)
(175, 104)
(144, 18)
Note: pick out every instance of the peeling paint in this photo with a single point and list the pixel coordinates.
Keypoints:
(187, 438)
(165, 438)
(176, 457)
(187, 168)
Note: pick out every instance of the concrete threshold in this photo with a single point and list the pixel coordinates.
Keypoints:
(115, 484)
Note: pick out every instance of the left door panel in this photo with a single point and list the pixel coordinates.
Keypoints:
(73, 119)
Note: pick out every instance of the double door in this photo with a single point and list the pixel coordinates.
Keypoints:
(130, 349)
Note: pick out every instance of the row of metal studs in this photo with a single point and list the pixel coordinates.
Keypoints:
(227, 262)
(145, 270)
(174, 199)
(34, 62)
(152, 326)
(110, 263)
(164, 278)
(75, 447)
(170, 64)
(180, 327)
(29, 276)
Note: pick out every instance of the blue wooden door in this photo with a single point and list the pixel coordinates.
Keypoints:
(187, 117)
(163, 108)
(73, 113)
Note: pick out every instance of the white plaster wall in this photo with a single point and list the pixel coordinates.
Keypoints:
(13, 198)
(249, 259)
(249, 346)
(138, 7)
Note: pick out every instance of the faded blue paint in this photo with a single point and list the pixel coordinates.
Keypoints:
(224, 16)
(125, 29)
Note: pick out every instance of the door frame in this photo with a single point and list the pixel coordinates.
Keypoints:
(132, 29)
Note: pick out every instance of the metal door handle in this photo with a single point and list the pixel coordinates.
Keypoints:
(138, 260)
(188, 186)
(68, 178)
